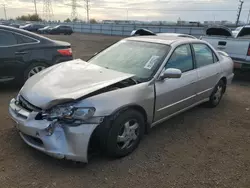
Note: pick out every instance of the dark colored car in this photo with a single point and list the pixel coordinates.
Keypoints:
(32, 27)
(23, 54)
(44, 30)
(5, 23)
(61, 29)
(14, 25)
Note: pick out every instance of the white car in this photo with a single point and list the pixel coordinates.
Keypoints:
(118, 95)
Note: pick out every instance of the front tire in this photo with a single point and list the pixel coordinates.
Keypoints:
(125, 134)
(217, 94)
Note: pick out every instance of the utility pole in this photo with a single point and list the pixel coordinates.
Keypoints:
(248, 17)
(35, 7)
(74, 11)
(239, 11)
(4, 9)
(87, 7)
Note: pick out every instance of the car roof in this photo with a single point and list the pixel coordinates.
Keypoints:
(163, 39)
(24, 32)
(175, 34)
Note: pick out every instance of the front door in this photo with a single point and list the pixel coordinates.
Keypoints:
(176, 94)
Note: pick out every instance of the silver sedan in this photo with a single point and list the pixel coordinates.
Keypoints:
(109, 102)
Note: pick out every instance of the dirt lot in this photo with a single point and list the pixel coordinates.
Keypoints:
(200, 148)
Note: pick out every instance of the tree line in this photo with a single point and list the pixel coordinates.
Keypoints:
(36, 17)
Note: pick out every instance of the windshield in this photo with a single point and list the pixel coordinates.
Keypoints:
(46, 27)
(134, 57)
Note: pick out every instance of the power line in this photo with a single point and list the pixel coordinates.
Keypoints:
(73, 6)
(47, 10)
(239, 11)
(171, 10)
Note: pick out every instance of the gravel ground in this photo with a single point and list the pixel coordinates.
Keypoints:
(199, 148)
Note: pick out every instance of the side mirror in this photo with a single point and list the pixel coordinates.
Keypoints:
(171, 73)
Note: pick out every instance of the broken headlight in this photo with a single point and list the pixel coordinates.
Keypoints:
(71, 113)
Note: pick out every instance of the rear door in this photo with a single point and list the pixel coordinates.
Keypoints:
(208, 69)
(8, 58)
(174, 95)
(14, 54)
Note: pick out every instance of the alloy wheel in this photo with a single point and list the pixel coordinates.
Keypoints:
(35, 70)
(128, 134)
(218, 94)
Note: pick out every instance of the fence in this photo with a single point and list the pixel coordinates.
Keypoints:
(113, 29)
(125, 30)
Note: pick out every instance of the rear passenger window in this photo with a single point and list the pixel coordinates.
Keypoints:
(203, 55)
(7, 39)
(181, 59)
(23, 39)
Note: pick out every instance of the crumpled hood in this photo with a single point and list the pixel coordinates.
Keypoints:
(68, 81)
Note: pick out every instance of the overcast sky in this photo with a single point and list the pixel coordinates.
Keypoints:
(146, 10)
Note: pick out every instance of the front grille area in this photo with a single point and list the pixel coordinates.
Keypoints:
(26, 105)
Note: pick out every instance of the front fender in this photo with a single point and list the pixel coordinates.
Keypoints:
(141, 95)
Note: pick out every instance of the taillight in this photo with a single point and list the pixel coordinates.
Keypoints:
(65, 52)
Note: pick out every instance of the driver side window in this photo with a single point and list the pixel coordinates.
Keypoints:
(181, 59)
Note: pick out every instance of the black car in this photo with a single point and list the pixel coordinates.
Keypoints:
(23, 54)
(32, 27)
(61, 29)
(14, 25)
(44, 30)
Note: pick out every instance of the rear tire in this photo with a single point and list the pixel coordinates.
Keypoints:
(217, 94)
(33, 69)
(125, 134)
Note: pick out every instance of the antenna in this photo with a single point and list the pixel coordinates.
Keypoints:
(239, 11)
(47, 10)
(35, 7)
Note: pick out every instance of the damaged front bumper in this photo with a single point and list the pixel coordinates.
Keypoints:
(57, 140)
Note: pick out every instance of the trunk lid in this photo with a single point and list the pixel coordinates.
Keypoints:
(61, 43)
(68, 81)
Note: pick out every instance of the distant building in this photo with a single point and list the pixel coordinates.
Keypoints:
(223, 22)
(188, 23)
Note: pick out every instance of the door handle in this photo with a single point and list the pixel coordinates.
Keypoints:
(20, 53)
(222, 43)
(221, 47)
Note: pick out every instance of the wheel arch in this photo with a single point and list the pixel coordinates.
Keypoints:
(224, 79)
(98, 137)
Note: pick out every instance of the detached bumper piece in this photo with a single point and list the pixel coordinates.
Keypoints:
(57, 140)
